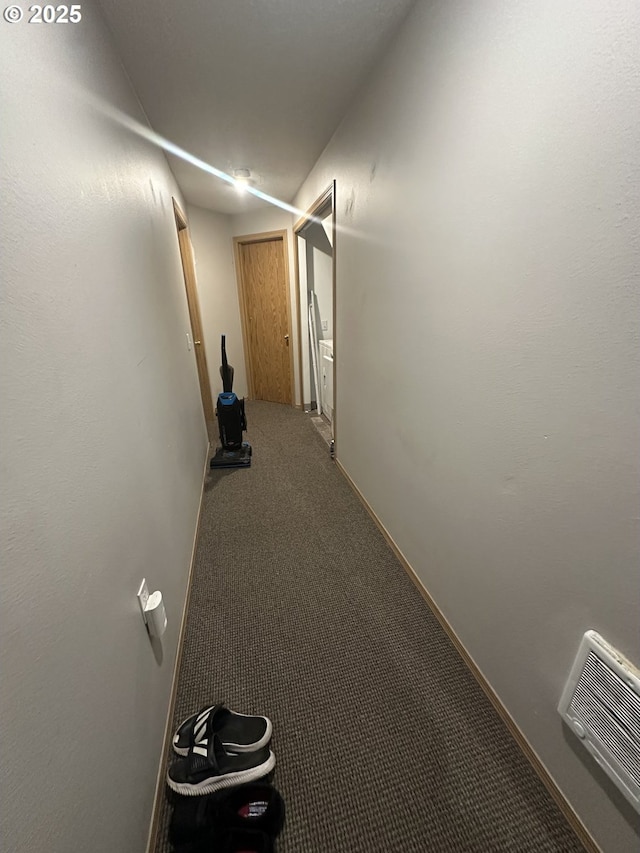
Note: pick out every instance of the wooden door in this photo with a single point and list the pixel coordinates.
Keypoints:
(264, 290)
(188, 268)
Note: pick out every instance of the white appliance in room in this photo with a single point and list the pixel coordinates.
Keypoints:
(326, 377)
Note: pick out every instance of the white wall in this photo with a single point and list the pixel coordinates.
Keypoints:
(319, 262)
(103, 447)
(269, 218)
(218, 295)
(319, 279)
(323, 265)
(489, 176)
(323, 286)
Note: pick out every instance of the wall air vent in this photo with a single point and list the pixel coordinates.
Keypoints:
(601, 704)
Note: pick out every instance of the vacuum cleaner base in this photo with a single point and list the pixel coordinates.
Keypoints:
(232, 458)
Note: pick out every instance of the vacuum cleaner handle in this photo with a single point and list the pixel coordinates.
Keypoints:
(226, 371)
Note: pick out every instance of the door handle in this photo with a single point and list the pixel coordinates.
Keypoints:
(197, 343)
(286, 337)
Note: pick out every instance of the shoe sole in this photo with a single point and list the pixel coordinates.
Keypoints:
(226, 780)
(228, 745)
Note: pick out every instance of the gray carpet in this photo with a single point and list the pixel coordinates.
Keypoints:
(300, 611)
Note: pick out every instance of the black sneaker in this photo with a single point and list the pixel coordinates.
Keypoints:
(197, 822)
(258, 806)
(238, 732)
(208, 768)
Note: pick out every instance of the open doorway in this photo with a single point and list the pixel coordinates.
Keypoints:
(314, 237)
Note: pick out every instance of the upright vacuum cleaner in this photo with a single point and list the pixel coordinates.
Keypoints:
(232, 422)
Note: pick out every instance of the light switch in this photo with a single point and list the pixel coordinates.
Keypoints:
(143, 597)
(189, 344)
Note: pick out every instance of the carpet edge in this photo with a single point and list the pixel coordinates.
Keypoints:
(574, 821)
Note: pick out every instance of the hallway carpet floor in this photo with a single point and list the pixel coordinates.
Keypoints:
(299, 610)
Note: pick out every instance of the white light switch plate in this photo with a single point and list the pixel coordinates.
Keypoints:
(188, 341)
(325, 325)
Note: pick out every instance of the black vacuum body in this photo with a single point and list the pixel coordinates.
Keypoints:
(232, 422)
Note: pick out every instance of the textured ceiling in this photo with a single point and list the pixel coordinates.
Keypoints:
(257, 84)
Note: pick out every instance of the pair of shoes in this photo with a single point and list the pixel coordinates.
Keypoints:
(246, 819)
(220, 749)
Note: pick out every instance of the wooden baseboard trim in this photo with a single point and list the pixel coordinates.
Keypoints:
(168, 730)
(565, 807)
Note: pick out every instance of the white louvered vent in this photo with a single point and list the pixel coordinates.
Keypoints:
(601, 704)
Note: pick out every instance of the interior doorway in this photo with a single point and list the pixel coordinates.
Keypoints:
(188, 269)
(315, 236)
(262, 271)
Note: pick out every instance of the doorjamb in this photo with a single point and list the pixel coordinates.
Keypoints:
(193, 305)
(329, 195)
(263, 237)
